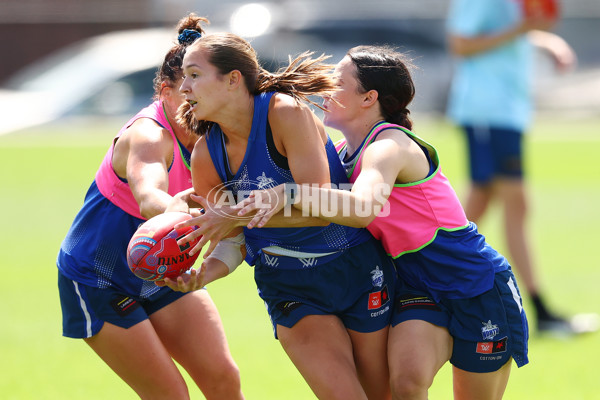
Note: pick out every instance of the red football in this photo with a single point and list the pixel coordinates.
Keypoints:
(153, 253)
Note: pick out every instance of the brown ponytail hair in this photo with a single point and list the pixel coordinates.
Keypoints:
(385, 70)
(303, 77)
(170, 71)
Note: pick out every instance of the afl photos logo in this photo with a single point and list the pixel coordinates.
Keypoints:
(229, 194)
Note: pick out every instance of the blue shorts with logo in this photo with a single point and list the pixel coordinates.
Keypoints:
(487, 329)
(356, 286)
(494, 152)
(86, 308)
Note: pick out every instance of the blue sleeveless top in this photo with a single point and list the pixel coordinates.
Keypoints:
(259, 170)
(94, 252)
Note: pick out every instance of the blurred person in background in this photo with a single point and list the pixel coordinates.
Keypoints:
(491, 100)
(135, 326)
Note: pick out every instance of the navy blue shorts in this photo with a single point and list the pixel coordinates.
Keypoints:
(86, 308)
(487, 329)
(494, 152)
(357, 287)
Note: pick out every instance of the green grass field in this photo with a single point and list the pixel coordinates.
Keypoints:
(46, 172)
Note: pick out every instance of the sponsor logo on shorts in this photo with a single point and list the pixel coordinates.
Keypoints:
(377, 277)
(271, 261)
(378, 299)
(286, 307)
(414, 302)
(124, 305)
(489, 330)
(380, 312)
(498, 346)
(308, 262)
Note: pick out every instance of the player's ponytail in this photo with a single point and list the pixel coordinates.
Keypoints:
(394, 111)
(304, 76)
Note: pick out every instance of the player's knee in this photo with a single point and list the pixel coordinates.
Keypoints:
(223, 382)
(409, 385)
(230, 375)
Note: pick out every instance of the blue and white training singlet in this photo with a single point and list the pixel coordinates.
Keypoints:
(260, 171)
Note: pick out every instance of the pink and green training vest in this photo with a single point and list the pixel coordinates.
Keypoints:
(414, 212)
(117, 191)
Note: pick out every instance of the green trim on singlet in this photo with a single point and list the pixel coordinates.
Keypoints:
(185, 162)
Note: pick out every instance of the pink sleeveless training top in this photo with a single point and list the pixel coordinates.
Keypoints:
(117, 191)
(416, 211)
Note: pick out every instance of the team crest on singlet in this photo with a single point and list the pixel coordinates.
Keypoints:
(264, 181)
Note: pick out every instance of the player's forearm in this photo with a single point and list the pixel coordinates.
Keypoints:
(294, 218)
(215, 269)
(154, 203)
(470, 46)
(337, 206)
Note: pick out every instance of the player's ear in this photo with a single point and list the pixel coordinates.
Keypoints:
(165, 89)
(235, 79)
(370, 98)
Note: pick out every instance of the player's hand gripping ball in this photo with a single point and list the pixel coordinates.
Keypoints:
(153, 253)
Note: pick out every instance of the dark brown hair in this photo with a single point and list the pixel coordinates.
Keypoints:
(170, 71)
(386, 70)
(303, 77)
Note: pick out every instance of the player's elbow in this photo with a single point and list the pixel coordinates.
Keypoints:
(147, 211)
(360, 221)
(459, 47)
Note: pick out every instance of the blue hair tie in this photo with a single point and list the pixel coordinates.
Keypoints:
(188, 36)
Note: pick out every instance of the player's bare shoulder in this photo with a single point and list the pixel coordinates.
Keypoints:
(289, 116)
(142, 139)
(283, 107)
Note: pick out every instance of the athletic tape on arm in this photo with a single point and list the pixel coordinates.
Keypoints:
(228, 250)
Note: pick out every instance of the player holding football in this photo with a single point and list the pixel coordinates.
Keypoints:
(136, 327)
(327, 288)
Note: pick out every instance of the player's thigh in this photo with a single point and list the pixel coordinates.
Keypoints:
(137, 355)
(417, 350)
(321, 349)
(512, 192)
(485, 386)
(370, 356)
(192, 331)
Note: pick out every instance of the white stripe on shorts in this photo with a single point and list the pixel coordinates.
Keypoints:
(88, 320)
(515, 293)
